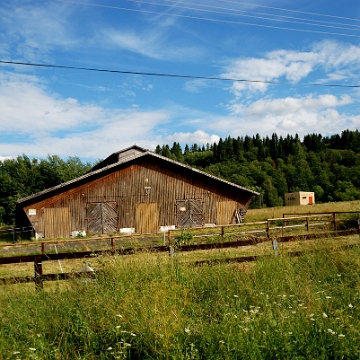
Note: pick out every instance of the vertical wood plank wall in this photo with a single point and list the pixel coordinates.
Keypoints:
(142, 183)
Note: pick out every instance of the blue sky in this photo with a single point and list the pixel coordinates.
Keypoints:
(282, 47)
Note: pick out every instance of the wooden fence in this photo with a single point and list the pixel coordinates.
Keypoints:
(309, 221)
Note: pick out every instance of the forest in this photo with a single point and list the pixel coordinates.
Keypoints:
(272, 166)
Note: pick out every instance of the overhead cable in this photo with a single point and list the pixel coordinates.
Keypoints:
(182, 76)
(237, 12)
(209, 19)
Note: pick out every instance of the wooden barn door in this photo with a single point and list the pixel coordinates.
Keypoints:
(56, 223)
(226, 212)
(147, 218)
(189, 213)
(102, 217)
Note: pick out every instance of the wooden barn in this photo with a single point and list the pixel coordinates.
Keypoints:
(133, 190)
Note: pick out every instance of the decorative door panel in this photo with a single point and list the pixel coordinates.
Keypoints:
(189, 213)
(102, 217)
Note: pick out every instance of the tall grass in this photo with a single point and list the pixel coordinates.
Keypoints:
(155, 307)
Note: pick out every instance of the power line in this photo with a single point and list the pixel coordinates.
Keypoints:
(289, 10)
(209, 19)
(235, 12)
(191, 77)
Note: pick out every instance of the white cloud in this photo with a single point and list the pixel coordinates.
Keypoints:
(337, 60)
(154, 44)
(44, 123)
(27, 108)
(302, 115)
(196, 86)
(33, 31)
(199, 137)
(284, 107)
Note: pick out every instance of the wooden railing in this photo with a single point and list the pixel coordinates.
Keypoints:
(308, 221)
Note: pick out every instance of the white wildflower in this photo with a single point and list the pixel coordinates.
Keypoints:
(117, 327)
(327, 297)
(118, 315)
(132, 334)
(236, 296)
(351, 306)
(187, 330)
(325, 315)
(311, 315)
(341, 335)
(32, 349)
(109, 348)
(331, 331)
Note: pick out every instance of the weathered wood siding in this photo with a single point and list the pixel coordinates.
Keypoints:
(143, 196)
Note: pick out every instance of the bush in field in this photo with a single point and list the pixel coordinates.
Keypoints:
(152, 307)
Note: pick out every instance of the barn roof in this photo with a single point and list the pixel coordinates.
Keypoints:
(124, 157)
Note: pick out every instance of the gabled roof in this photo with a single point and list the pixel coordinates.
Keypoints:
(127, 156)
(121, 155)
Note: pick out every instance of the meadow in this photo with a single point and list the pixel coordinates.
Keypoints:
(153, 306)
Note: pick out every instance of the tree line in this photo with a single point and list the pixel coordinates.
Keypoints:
(23, 176)
(272, 166)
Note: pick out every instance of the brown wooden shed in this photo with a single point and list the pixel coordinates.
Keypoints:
(133, 190)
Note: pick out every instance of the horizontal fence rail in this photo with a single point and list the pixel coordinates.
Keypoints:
(45, 249)
(39, 277)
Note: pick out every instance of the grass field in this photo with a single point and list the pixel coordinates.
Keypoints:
(156, 307)
(269, 213)
(152, 306)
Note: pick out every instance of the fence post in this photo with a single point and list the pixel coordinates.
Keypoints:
(113, 244)
(222, 231)
(171, 248)
(268, 228)
(334, 220)
(14, 235)
(38, 272)
(307, 224)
